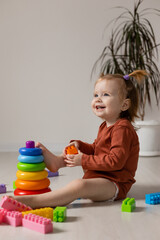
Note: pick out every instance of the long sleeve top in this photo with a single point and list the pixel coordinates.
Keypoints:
(114, 153)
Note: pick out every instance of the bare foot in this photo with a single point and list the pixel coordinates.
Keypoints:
(53, 162)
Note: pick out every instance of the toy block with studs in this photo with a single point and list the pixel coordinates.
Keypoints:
(37, 223)
(71, 150)
(43, 212)
(13, 218)
(3, 188)
(13, 205)
(128, 205)
(14, 186)
(52, 174)
(59, 214)
(1, 215)
(152, 198)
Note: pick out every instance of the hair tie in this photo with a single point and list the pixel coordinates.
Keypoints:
(126, 77)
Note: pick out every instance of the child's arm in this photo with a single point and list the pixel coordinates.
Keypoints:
(114, 159)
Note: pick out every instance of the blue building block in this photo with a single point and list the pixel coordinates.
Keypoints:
(153, 198)
(128, 205)
(3, 188)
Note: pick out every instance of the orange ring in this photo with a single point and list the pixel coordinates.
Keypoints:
(32, 185)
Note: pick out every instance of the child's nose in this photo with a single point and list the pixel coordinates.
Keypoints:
(99, 99)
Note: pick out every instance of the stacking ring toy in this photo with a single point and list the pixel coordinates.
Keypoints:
(32, 185)
(31, 159)
(31, 167)
(19, 192)
(30, 151)
(31, 176)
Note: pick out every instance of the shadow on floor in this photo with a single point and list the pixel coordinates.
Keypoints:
(89, 203)
(139, 191)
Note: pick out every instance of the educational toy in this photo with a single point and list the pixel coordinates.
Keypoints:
(31, 176)
(128, 205)
(153, 198)
(43, 212)
(59, 214)
(37, 223)
(13, 205)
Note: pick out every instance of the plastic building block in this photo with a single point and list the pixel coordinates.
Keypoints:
(43, 212)
(59, 214)
(153, 198)
(128, 205)
(12, 218)
(13, 205)
(37, 223)
(71, 150)
(1, 215)
(2, 188)
(52, 174)
(14, 186)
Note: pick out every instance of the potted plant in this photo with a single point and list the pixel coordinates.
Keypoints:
(133, 46)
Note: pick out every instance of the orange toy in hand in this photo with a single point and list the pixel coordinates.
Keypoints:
(71, 150)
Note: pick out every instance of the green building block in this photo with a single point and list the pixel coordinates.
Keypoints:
(59, 214)
(14, 186)
(128, 205)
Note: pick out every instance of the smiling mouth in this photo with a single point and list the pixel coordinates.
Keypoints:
(99, 107)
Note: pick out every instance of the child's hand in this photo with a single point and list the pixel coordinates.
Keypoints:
(73, 160)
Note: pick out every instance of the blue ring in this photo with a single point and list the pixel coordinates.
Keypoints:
(31, 159)
(30, 151)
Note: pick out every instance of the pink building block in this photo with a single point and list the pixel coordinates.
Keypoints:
(12, 218)
(13, 205)
(1, 215)
(37, 223)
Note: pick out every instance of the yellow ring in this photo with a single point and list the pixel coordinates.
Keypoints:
(31, 176)
(32, 185)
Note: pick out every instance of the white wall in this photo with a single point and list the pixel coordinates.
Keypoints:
(47, 50)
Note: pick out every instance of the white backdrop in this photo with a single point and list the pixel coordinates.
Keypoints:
(47, 50)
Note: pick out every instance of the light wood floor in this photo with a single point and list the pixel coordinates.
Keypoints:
(95, 221)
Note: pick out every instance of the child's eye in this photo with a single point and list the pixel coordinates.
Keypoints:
(95, 95)
(106, 94)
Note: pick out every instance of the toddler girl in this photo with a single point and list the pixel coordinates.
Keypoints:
(111, 161)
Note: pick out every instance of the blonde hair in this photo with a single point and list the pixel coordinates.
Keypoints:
(128, 89)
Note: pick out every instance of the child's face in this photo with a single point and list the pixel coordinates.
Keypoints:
(108, 102)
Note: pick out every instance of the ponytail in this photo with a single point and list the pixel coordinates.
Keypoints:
(139, 75)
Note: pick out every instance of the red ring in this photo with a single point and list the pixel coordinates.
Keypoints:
(19, 192)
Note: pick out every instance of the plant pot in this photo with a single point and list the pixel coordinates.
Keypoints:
(149, 137)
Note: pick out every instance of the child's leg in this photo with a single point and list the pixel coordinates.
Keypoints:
(53, 162)
(96, 189)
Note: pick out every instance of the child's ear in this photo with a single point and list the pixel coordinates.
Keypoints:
(126, 104)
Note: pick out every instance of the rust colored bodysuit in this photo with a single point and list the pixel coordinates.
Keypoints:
(113, 155)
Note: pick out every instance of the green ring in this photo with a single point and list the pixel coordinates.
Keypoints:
(31, 167)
